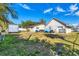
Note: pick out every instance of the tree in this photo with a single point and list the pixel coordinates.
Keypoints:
(42, 21)
(27, 23)
(5, 9)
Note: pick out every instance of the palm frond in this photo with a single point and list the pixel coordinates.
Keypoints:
(11, 11)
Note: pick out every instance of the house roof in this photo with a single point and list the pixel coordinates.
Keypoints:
(61, 23)
(31, 26)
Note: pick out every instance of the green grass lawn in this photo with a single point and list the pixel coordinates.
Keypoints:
(19, 47)
(13, 46)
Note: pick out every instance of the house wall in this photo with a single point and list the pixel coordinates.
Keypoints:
(68, 30)
(54, 26)
(40, 27)
(13, 28)
(77, 29)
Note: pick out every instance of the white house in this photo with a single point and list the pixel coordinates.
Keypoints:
(22, 29)
(39, 27)
(58, 27)
(77, 28)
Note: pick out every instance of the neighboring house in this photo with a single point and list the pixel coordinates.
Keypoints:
(22, 29)
(13, 28)
(39, 27)
(77, 28)
(55, 26)
(58, 27)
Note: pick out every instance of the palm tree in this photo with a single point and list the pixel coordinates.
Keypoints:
(5, 9)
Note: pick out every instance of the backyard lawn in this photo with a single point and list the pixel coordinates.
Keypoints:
(19, 47)
(38, 44)
(67, 39)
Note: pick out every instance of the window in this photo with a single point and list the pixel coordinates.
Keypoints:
(50, 28)
(37, 27)
(60, 26)
(62, 31)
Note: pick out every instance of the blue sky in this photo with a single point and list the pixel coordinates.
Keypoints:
(65, 12)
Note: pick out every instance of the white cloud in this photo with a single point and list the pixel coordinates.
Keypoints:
(48, 10)
(59, 9)
(67, 14)
(25, 6)
(73, 7)
(75, 24)
(77, 13)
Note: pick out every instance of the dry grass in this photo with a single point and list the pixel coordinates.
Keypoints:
(68, 38)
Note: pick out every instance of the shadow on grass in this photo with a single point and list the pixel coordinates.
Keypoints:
(54, 36)
(60, 37)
